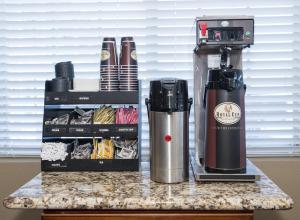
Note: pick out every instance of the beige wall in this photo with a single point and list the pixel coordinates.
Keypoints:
(14, 173)
(284, 171)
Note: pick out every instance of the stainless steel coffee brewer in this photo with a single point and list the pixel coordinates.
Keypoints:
(168, 113)
(219, 92)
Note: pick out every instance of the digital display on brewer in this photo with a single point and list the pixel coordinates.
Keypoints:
(225, 34)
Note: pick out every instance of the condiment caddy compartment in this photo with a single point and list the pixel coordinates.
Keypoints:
(78, 127)
(94, 158)
(103, 97)
(104, 121)
(105, 165)
(94, 130)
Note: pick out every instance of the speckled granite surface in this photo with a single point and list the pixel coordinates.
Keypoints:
(135, 190)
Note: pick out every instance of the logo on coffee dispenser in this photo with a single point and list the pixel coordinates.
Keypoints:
(227, 113)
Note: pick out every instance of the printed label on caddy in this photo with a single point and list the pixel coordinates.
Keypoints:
(227, 113)
(83, 98)
(128, 129)
(57, 165)
(55, 129)
(80, 130)
(103, 130)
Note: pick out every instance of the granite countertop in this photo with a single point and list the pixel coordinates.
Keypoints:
(135, 190)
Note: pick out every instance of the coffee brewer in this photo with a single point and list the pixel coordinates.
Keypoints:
(219, 92)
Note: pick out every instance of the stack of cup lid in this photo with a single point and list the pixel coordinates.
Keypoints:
(128, 67)
(64, 75)
(64, 70)
(109, 77)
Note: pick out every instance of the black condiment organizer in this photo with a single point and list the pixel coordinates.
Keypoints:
(64, 102)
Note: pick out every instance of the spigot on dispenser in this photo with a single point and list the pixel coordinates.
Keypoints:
(225, 53)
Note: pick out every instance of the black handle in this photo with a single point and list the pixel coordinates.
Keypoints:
(147, 101)
(190, 104)
(204, 96)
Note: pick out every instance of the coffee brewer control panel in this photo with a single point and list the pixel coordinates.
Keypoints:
(226, 31)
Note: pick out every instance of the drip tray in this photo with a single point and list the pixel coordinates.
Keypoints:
(253, 174)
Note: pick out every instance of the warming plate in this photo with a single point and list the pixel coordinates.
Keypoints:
(252, 174)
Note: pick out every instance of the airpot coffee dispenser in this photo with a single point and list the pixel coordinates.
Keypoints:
(168, 113)
(219, 92)
(225, 144)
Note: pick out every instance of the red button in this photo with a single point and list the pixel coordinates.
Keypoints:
(203, 27)
(168, 138)
(217, 35)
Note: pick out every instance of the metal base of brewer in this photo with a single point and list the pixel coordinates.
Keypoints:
(252, 174)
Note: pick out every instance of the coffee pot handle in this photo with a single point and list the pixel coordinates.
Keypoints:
(204, 97)
(147, 101)
(190, 104)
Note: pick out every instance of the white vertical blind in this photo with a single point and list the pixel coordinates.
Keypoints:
(34, 35)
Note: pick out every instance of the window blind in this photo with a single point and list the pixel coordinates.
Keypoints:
(34, 35)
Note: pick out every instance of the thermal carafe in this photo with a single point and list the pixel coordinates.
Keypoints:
(225, 147)
(168, 113)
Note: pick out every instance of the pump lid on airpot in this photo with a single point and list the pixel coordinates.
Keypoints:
(228, 79)
(169, 95)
